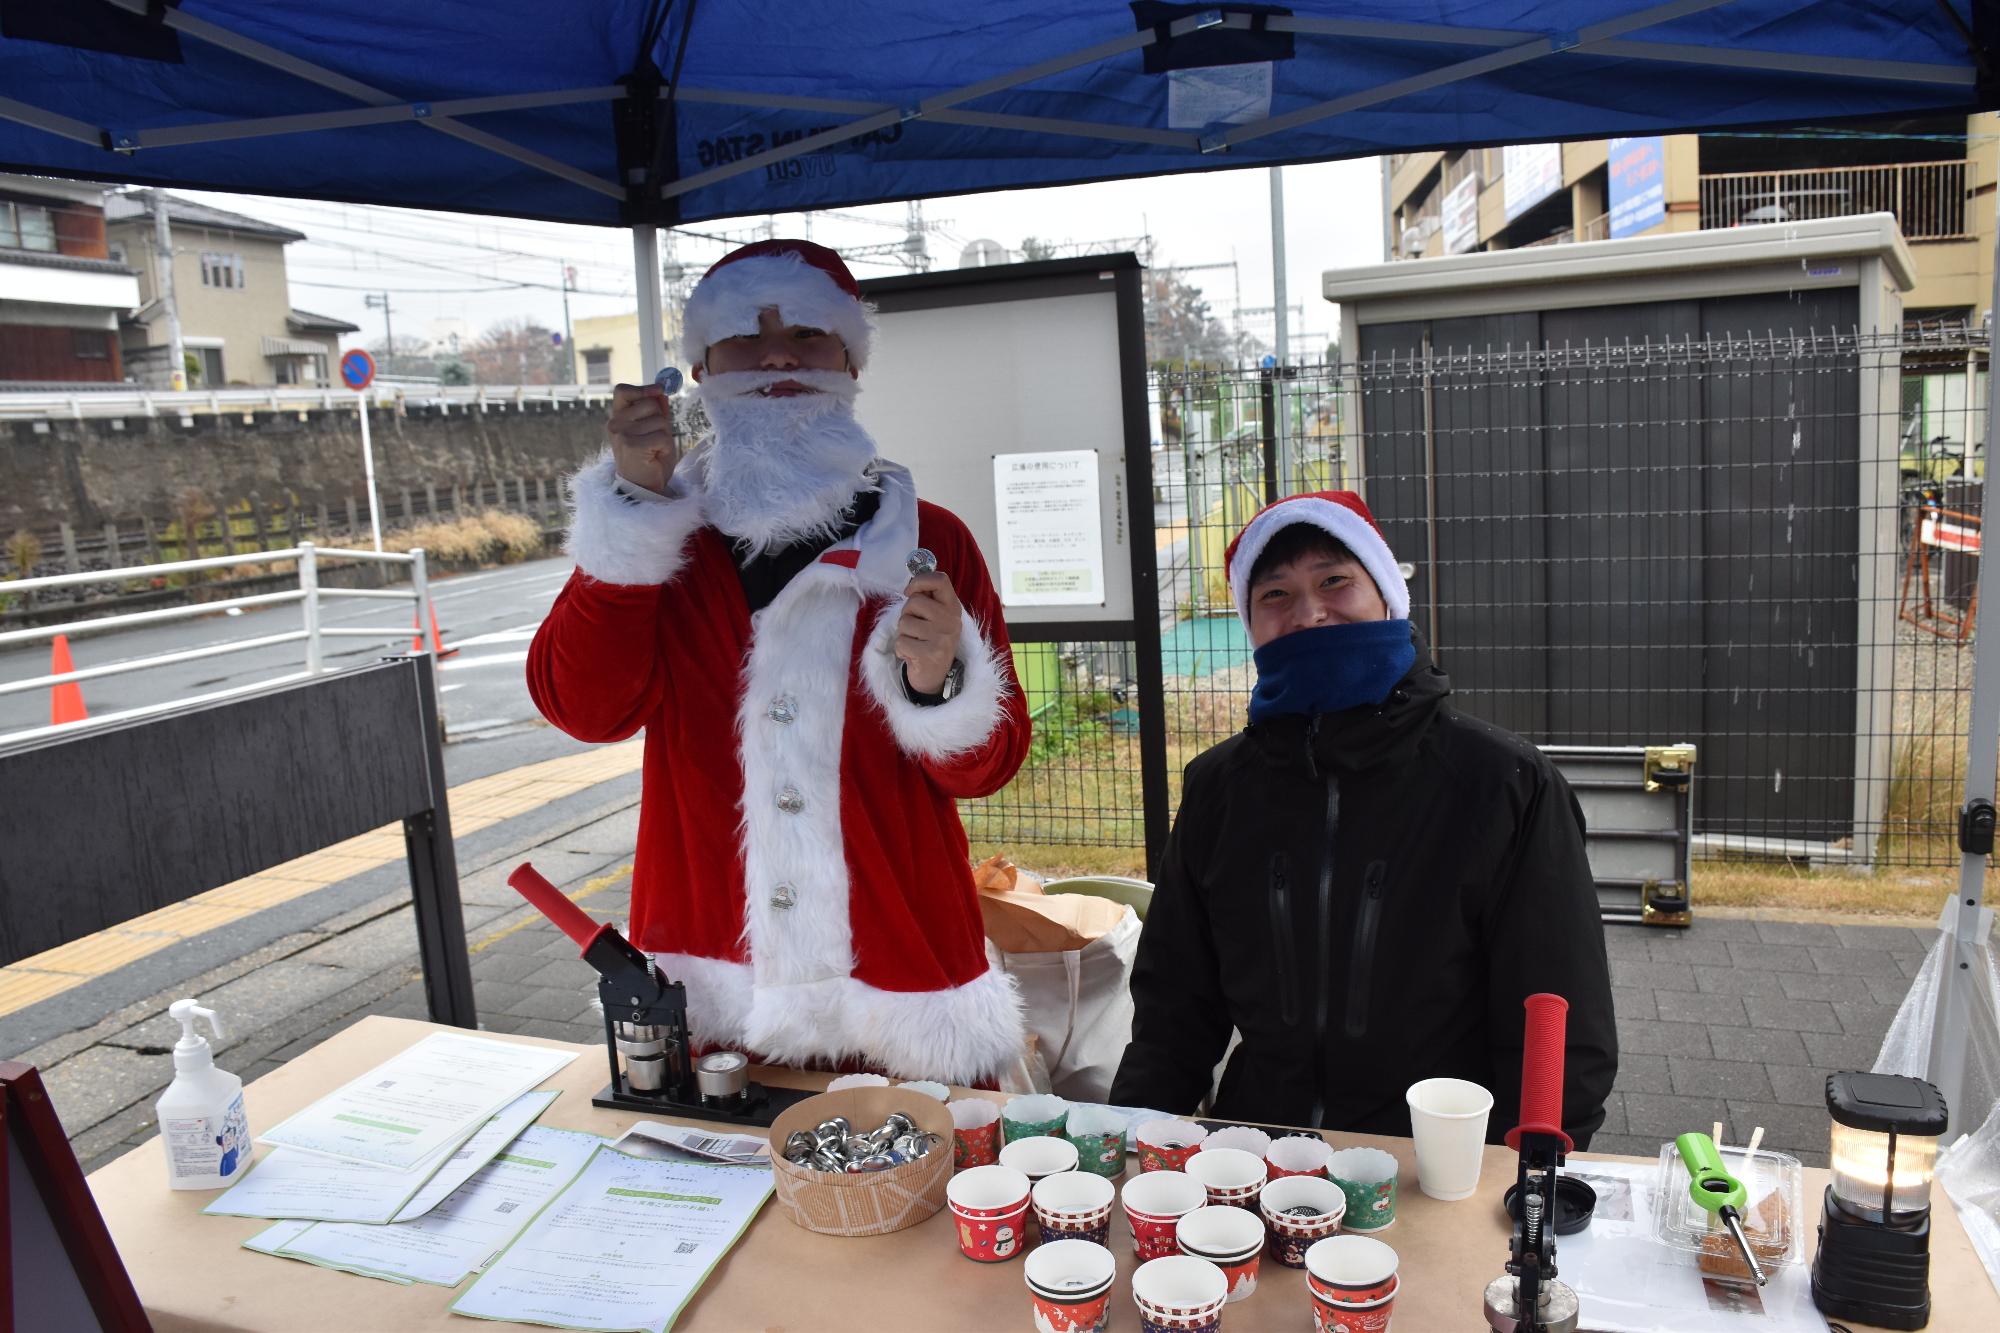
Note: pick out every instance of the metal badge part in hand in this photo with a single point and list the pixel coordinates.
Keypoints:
(920, 561)
(669, 380)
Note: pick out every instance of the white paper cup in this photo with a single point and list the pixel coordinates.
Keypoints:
(1448, 1122)
(1040, 1156)
(928, 1087)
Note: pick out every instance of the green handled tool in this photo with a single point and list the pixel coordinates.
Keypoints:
(1715, 1191)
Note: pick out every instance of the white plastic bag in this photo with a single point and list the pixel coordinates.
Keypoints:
(1078, 1003)
(1969, 1170)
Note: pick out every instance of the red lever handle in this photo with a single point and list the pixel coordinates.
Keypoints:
(572, 920)
(1542, 1070)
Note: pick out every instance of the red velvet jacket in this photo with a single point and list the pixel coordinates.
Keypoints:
(800, 860)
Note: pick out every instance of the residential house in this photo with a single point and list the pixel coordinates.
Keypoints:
(61, 292)
(1935, 174)
(605, 348)
(237, 321)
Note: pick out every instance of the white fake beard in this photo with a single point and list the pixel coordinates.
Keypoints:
(781, 470)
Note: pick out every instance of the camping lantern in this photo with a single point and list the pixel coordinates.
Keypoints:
(1874, 1259)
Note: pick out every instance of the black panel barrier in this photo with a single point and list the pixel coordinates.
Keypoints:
(116, 821)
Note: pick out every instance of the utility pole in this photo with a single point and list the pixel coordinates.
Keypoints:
(569, 339)
(381, 302)
(1282, 302)
(163, 286)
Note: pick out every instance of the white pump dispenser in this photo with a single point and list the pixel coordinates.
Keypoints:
(203, 1130)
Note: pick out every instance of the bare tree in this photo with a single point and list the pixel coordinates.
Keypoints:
(517, 351)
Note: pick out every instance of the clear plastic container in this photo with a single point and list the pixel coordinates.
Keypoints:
(1773, 1219)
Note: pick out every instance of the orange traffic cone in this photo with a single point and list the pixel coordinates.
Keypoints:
(66, 700)
(417, 642)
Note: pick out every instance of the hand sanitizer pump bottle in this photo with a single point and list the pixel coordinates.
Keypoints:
(203, 1130)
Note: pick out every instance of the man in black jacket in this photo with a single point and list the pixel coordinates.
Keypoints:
(1364, 882)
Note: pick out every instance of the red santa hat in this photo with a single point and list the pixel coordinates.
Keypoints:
(1341, 515)
(807, 284)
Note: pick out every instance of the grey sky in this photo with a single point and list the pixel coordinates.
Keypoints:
(435, 265)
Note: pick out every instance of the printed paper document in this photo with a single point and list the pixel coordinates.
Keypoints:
(292, 1184)
(623, 1248)
(459, 1236)
(413, 1106)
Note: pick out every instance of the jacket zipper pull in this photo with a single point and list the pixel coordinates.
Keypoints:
(1312, 745)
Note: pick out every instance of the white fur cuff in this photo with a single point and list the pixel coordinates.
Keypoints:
(943, 731)
(616, 540)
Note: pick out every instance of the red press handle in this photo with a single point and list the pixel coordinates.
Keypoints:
(1542, 1070)
(570, 919)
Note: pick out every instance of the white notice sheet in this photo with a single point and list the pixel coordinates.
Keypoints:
(292, 1184)
(623, 1248)
(1048, 509)
(460, 1235)
(433, 1094)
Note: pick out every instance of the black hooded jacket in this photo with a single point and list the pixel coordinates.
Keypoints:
(1368, 896)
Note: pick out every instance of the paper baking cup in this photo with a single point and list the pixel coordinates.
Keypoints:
(1253, 1141)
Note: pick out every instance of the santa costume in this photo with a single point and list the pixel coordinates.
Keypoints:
(800, 861)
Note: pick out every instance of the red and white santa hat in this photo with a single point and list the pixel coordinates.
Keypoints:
(808, 284)
(1343, 516)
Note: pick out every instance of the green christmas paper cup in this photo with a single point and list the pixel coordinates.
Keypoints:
(1099, 1135)
(1036, 1113)
(1367, 1176)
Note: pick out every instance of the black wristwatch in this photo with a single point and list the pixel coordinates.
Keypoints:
(954, 681)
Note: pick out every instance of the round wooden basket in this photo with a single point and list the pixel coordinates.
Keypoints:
(871, 1203)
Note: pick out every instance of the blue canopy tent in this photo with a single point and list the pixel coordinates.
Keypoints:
(644, 113)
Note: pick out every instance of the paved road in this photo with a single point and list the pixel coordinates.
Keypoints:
(489, 617)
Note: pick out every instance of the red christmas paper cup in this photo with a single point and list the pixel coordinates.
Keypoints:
(1300, 1210)
(1069, 1286)
(1297, 1155)
(1167, 1145)
(1337, 1317)
(1154, 1203)
(989, 1204)
(1352, 1270)
(975, 1138)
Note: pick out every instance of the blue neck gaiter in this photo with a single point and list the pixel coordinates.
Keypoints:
(1331, 668)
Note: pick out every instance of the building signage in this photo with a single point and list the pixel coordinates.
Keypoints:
(1534, 171)
(1461, 216)
(1638, 171)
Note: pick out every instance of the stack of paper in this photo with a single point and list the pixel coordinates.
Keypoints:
(443, 1245)
(289, 1183)
(421, 1104)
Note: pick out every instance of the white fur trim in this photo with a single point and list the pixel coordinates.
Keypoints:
(1344, 525)
(718, 997)
(725, 304)
(801, 650)
(938, 731)
(615, 540)
(960, 1035)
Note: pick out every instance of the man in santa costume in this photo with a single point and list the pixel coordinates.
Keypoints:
(812, 709)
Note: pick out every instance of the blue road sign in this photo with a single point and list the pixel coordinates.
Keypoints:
(357, 369)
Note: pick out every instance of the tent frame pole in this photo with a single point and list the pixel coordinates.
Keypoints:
(1966, 921)
(646, 278)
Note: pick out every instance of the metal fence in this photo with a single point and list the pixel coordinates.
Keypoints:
(1733, 542)
(310, 636)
